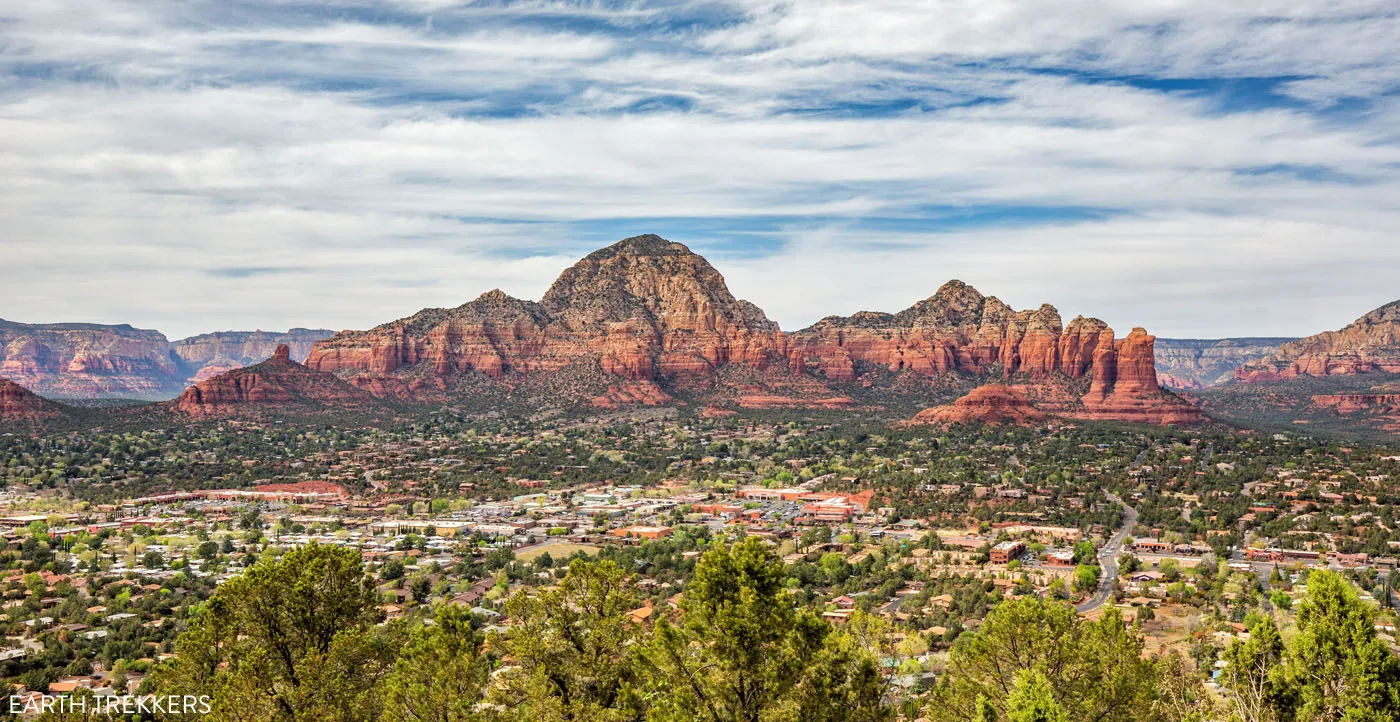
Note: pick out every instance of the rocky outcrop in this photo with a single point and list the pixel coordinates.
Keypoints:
(643, 310)
(1371, 344)
(1189, 363)
(81, 360)
(989, 404)
(277, 386)
(960, 330)
(656, 317)
(208, 355)
(18, 404)
(956, 329)
(1358, 403)
(1124, 386)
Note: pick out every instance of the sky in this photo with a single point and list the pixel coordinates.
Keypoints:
(1197, 167)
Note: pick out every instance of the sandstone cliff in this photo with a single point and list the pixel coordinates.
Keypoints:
(87, 360)
(649, 318)
(277, 386)
(1188, 363)
(643, 309)
(208, 355)
(1370, 344)
(82, 360)
(960, 330)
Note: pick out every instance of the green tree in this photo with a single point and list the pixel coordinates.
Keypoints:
(1095, 669)
(575, 648)
(441, 674)
(1086, 578)
(742, 652)
(1336, 666)
(289, 639)
(1249, 678)
(983, 711)
(1031, 700)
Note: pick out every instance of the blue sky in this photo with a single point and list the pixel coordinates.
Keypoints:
(1196, 167)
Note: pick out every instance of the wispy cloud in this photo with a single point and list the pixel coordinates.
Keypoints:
(1202, 167)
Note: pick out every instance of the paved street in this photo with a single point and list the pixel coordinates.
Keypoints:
(1108, 558)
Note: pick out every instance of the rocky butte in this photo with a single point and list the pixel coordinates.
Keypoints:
(18, 404)
(278, 385)
(989, 404)
(646, 319)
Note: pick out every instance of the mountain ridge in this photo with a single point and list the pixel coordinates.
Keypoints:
(655, 319)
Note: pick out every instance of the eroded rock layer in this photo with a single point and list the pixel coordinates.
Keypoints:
(1371, 344)
(655, 316)
(275, 386)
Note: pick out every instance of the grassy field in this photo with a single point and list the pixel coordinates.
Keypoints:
(558, 550)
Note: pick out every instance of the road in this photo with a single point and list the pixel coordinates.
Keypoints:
(1108, 557)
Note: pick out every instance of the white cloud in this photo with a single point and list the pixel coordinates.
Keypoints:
(348, 167)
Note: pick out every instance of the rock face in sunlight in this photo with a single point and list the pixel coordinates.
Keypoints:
(87, 360)
(989, 404)
(636, 321)
(1371, 344)
(277, 385)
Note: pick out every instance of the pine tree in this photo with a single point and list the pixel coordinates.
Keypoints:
(1031, 700)
(1336, 665)
(441, 674)
(1249, 676)
(575, 648)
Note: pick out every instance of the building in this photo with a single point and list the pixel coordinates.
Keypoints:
(1006, 551)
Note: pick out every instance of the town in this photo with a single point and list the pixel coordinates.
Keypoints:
(114, 540)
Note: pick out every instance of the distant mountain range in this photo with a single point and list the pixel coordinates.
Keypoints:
(1193, 363)
(646, 322)
(83, 361)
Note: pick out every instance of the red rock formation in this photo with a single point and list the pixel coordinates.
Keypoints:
(648, 311)
(1125, 388)
(20, 404)
(277, 385)
(208, 355)
(631, 393)
(989, 404)
(643, 309)
(1371, 344)
(86, 360)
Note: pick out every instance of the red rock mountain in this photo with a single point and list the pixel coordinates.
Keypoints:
(649, 315)
(20, 404)
(86, 360)
(989, 404)
(278, 385)
(1370, 344)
